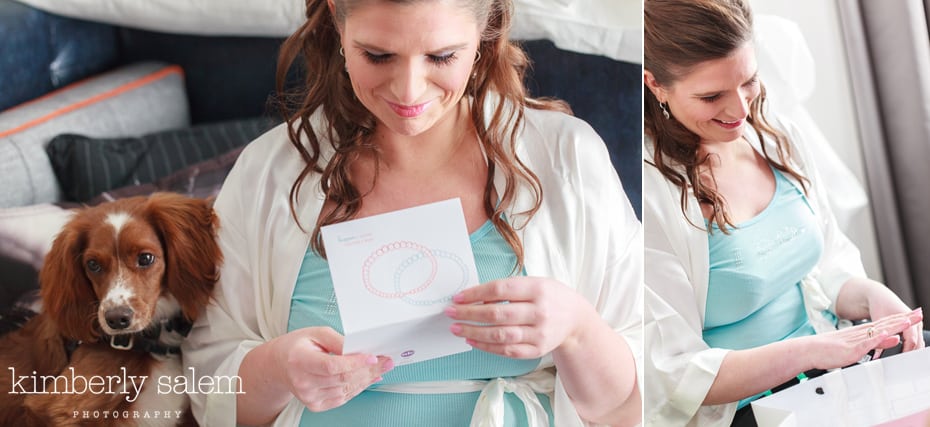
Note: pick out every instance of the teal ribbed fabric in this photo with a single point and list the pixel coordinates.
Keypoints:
(314, 304)
(754, 294)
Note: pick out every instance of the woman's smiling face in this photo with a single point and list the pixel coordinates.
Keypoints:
(713, 99)
(410, 63)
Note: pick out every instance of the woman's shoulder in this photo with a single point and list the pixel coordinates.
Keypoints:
(776, 121)
(561, 137)
(651, 174)
(252, 167)
(558, 142)
(553, 122)
(268, 143)
(794, 138)
(273, 151)
(539, 125)
(268, 163)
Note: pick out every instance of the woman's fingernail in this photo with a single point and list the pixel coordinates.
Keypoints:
(371, 360)
(450, 311)
(387, 366)
(459, 297)
(455, 329)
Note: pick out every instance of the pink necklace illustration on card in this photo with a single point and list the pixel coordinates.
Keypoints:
(407, 270)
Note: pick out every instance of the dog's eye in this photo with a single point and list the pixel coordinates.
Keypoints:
(93, 266)
(146, 259)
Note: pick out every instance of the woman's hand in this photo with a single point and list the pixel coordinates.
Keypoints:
(540, 315)
(883, 303)
(862, 298)
(847, 346)
(316, 372)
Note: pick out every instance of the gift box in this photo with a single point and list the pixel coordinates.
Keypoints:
(893, 391)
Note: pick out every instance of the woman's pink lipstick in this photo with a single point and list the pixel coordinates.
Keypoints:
(409, 111)
(729, 125)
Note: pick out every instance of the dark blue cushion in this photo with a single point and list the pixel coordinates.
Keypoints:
(40, 52)
(226, 77)
(605, 93)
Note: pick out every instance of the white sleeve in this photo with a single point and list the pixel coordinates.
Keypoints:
(228, 329)
(680, 364)
(622, 295)
(585, 234)
(616, 288)
(617, 293)
(620, 300)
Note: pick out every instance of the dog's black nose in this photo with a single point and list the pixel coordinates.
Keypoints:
(119, 317)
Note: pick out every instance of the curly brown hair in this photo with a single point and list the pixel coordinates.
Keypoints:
(350, 126)
(677, 36)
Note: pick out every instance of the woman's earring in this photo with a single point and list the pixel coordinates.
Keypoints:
(342, 53)
(664, 108)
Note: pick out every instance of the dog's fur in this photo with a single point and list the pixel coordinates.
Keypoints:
(119, 268)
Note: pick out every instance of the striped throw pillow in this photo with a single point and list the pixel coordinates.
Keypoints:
(86, 166)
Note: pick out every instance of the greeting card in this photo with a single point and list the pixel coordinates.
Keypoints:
(394, 274)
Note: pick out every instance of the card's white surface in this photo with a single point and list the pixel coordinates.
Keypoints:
(394, 274)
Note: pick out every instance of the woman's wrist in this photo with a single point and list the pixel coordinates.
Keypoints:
(598, 369)
(265, 376)
(275, 363)
(797, 355)
(807, 350)
(587, 321)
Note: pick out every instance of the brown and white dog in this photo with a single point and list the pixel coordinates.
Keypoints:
(119, 290)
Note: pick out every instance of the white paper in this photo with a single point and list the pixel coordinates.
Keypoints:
(880, 391)
(395, 273)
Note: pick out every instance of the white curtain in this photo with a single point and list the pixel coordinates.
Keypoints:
(889, 53)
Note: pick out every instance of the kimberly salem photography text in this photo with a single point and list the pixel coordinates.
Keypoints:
(129, 385)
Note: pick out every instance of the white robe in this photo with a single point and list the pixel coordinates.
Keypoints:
(585, 235)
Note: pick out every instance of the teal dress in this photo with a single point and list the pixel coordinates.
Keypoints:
(314, 304)
(754, 293)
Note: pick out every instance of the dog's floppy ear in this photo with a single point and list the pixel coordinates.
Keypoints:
(192, 256)
(67, 294)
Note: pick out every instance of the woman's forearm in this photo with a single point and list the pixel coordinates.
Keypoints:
(598, 371)
(745, 373)
(265, 393)
(854, 299)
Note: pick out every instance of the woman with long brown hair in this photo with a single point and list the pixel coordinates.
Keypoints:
(747, 274)
(408, 102)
